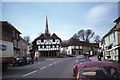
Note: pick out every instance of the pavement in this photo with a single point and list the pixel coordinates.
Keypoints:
(94, 58)
(113, 62)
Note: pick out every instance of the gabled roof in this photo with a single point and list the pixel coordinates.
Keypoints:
(113, 29)
(23, 40)
(54, 36)
(76, 43)
(79, 43)
(117, 20)
(42, 36)
(7, 24)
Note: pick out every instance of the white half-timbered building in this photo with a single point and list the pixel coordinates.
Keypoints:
(48, 45)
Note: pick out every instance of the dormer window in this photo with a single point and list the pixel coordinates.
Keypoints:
(42, 40)
(53, 40)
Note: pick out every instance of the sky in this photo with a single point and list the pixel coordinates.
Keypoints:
(64, 18)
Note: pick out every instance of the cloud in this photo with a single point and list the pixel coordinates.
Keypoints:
(100, 18)
(100, 12)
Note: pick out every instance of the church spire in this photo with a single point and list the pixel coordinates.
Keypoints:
(46, 29)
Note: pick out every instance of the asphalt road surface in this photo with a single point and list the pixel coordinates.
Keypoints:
(49, 68)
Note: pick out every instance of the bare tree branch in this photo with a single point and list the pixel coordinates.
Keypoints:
(84, 35)
(27, 38)
(97, 39)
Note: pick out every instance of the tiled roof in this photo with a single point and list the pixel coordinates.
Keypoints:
(42, 36)
(113, 29)
(7, 24)
(110, 31)
(117, 20)
(76, 43)
(54, 36)
(23, 40)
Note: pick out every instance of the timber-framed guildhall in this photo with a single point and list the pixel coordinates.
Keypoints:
(47, 45)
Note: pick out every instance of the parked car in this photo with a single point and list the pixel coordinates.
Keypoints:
(71, 55)
(78, 60)
(81, 56)
(19, 61)
(97, 70)
(29, 60)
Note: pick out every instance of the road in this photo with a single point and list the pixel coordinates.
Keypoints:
(49, 68)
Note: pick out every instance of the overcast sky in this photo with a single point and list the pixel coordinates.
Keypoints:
(64, 18)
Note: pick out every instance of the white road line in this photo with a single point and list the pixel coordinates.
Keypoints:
(43, 67)
(50, 64)
(54, 62)
(30, 73)
(60, 60)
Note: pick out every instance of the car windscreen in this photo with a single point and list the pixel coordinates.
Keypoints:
(29, 58)
(19, 58)
(82, 56)
(100, 72)
(81, 60)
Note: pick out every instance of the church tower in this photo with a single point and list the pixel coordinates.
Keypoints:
(46, 29)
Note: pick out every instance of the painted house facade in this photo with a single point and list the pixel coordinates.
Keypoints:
(76, 47)
(11, 34)
(110, 43)
(47, 45)
(23, 47)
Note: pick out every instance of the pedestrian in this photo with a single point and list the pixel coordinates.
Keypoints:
(99, 57)
(88, 55)
(36, 59)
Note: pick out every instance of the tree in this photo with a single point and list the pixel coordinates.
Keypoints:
(81, 35)
(75, 36)
(84, 35)
(97, 39)
(27, 38)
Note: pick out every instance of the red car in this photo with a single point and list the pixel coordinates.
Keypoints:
(78, 60)
(97, 70)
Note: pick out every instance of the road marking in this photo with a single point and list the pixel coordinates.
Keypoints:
(30, 73)
(43, 67)
(50, 64)
(54, 62)
(60, 60)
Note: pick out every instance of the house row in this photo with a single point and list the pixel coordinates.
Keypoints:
(76, 47)
(47, 45)
(110, 43)
(11, 34)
